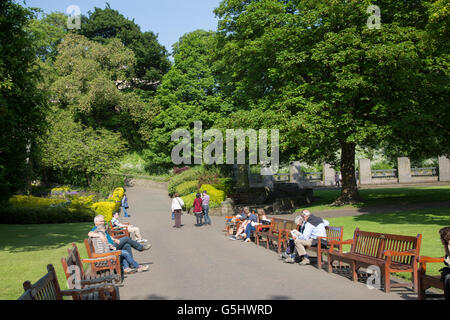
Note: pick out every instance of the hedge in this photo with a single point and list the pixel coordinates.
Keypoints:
(187, 187)
(216, 197)
(31, 202)
(42, 215)
(108, 207)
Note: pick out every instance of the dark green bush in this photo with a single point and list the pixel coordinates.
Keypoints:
(39, 215)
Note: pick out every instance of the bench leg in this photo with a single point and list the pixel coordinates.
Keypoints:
(387, 280)
(319, 260)
(354, 271)
(330, 264)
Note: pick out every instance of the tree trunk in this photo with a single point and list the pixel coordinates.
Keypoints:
(349, 194)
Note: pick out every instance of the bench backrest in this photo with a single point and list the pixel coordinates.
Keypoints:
(46, 288)
(334, 233)
(89, 247)
(73, 267)
(373, 244)
(276, 225)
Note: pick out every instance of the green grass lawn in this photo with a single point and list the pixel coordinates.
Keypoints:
(410, 223)
(385, 196)
(26, 250)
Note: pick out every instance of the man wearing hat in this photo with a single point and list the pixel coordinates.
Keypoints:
(313, 227)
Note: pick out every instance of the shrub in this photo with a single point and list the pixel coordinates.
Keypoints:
(106, 209)
(30, 201)
(180, 170)
(81, 202)
(225, 184)
(195, 173)
(104, 184)
(216, 196)
(189, 200)
(187, 187)
(42, 215)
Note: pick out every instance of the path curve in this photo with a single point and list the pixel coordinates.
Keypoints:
(200, 263)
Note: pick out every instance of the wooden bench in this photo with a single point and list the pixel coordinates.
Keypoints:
(427, 281)
(75, 273)
(112, 263)
(118, 232)
(392, 253)
(322, 247)
(231, 223)
(47, 288)
(273, 233)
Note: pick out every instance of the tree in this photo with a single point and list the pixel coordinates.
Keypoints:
(339, 82)
(22, 106)
(76, 153)
(91, 81)
(151, 57)
(188, 93)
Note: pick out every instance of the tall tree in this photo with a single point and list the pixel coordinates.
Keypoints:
(188, 93)
(338, 81)
(151, 56)
(22, 106)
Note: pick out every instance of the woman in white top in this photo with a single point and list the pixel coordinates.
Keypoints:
(177, 206)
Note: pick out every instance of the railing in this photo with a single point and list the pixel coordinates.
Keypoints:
(312, 176)
(386, 173)
(424, 172)
(281, 177)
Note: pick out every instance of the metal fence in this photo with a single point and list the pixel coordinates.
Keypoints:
(386, 173)
(424, 172)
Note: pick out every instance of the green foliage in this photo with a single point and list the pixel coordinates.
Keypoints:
(225, 184)
(76, 150)
(43, 215)
(22, 106)
(151, 57)
(216, 196)
(196, 173)
(103, 184)
(188, 93)
(187, 187)
(334, 82)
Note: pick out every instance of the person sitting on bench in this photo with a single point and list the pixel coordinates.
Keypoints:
(445, 272)
(134, 231)
(101, 245)
(290, 250)
(255, 221)
(313, 227)
(243, 225)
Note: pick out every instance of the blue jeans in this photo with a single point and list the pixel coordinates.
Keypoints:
(126, 244)
(125, 212)
(127, 261)
(249, 229)
(206, 216)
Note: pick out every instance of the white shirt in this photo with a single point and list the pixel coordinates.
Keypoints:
(311, 232)
(177, 204)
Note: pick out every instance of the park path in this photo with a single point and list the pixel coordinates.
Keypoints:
(200, 263)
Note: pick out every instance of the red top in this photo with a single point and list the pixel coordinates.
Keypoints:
(198, 205)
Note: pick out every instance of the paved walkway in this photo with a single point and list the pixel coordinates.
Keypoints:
(200, 263)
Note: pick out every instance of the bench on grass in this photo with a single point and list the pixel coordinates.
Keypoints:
(109, 266)
(47, 288)
(76, 274)
(390, 252)
(427, 281)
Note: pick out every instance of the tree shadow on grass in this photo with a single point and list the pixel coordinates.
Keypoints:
(27, 238)
(440, 217)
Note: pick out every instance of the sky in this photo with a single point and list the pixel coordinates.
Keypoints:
(169, 19)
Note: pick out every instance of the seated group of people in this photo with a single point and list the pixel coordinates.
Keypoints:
(104, 243)
(309, 228)
(250, 221)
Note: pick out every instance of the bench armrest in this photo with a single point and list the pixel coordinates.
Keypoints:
(94, 260)
(333, 243)
(79, 292)
(109, 278)
(424, 259)
(108, 254)
(391, 253)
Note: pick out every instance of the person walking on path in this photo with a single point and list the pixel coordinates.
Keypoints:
(198, 209)
(125, 205)
(177, 207)
(205, 204)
